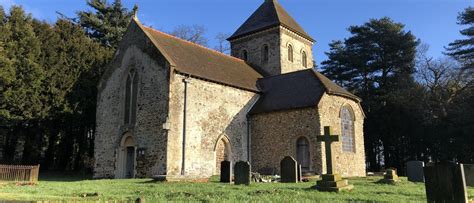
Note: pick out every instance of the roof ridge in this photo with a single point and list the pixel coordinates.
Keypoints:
(195, 44)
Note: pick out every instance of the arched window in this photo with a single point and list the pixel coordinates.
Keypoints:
(290, 53)
(265, 53)
(302, 153)
(131, 97)
(304, 59)
(244, 55)
(347, 129)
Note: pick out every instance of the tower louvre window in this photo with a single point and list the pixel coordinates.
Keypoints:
(245, 56)
(290, 53)
(304, 59)
(265, 53)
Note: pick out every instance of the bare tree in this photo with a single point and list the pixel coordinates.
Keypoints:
(193, 33)
(443, 78)
(222, 43)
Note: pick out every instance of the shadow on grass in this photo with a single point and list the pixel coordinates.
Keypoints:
(61, 176)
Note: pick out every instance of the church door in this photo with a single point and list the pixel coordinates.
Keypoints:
(302, 153)
(222, 153)
(130, 163)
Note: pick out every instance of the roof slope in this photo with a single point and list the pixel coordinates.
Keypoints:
(295, 90)
(190, 58)
(268, 15)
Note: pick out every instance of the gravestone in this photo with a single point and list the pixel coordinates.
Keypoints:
(331, 182)
(226, 172)
(415, 171)
(300, 174)
(390, 177)
(444, 182)
(288, 170)
(242, 173)
(469, 174)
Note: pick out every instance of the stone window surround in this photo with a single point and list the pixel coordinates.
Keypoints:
(290, 52)
(265, 52)
(244, 55)
(304, 58)
(353, 119)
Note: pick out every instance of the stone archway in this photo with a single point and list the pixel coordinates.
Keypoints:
(126, 159)
(222, 150)
(303, 156)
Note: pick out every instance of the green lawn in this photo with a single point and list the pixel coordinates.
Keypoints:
(126, 190)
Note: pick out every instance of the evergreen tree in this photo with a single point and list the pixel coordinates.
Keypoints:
(377, 63)
(107, 23)
(463, 49)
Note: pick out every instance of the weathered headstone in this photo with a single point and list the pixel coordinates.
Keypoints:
(226, 172)
(288, 170)
(300, 173)
(415, 171)
(331, 182)
(469, 174)
(390, 177)
(242, 173)
(444, 182)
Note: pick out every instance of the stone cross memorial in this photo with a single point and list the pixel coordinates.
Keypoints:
(226, 172)
(445, 182)
(288, 170)
(415, 171)
(390, 177)
(242, 173)
(331, 181)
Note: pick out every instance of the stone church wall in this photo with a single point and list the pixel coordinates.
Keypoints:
(152, 104)
(299, 45)
(254, 43)
(213, 111)
(348, 164)
(274, 136)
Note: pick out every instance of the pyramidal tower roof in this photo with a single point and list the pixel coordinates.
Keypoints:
(269, 14)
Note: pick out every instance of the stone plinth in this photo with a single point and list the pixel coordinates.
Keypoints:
(332, 183)
(390, 177)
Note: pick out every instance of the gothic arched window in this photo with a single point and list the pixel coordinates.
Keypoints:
(347, 129)
(302, 153)
(304, 59)
(244, 55)
(131, 97)
(265, 53)
(290, 53)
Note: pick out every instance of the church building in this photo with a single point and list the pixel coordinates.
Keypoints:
(171, 108)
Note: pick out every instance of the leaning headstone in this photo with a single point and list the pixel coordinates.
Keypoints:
(226, 172)
(288, 170)
(444, 182)
(415, 171)
(469, 174)
(242, 173)
(300, 174)
(390, 177)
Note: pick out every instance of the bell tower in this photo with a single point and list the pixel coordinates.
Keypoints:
(272, 41)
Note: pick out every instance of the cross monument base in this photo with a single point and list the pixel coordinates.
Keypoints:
(332, 183)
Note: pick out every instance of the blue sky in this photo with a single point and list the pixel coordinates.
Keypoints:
(432, 21)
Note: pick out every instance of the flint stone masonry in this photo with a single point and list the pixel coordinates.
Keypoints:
(213, 112)
(277, 40)
(348, 164)
(152, 107)
(281, 130)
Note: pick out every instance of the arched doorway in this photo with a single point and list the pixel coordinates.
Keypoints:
(302, 153)
(126, 157)
(222, 150)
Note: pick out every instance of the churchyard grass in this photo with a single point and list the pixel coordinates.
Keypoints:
(70, 189)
